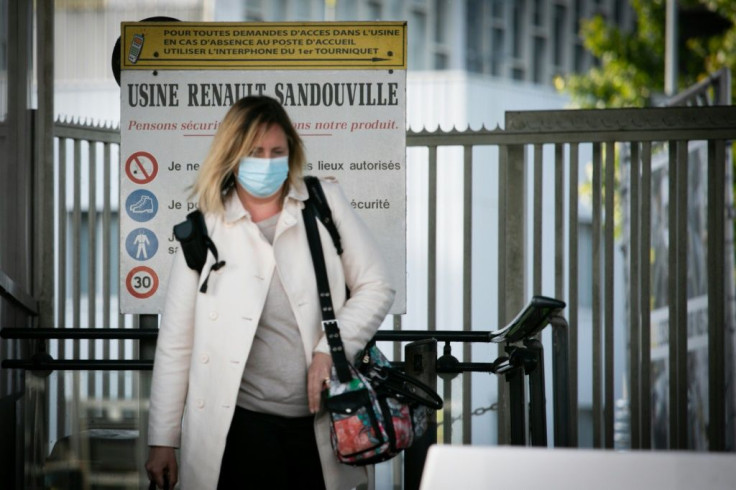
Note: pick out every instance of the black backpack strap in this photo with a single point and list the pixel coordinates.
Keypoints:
(329, 322)
(322, 209)
(195, 241)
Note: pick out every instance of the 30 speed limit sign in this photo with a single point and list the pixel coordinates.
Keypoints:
(142, 282)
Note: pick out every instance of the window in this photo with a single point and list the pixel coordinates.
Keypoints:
(578, 12)
(440, 61)
(374, 10)
(397, 10)
(497, 45)
(441, 24)
(440, 21)
(579, 58)
(558, 35)
(518, 27)
(418, 40)
(539, 56)
(254, 11)
(497, 9)
(346, 10)
(474, 36)
(538, 13)
(618, 12)
(253, 16)
(279, 10)
(303, 11)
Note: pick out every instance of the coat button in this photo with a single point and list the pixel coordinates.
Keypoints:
(200, 403)
(204, 358)
(213, 315)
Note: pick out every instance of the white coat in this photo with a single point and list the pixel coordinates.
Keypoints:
(204, 339)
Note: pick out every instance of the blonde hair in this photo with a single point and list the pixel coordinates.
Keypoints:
(240, 130)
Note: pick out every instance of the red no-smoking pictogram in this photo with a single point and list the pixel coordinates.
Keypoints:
(141, 167)
(142, 282)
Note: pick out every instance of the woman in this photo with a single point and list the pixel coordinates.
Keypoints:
(239, 370)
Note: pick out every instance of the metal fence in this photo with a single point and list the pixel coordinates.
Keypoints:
(523, 245)
(85, 223)
(87, 297)
(516, 233)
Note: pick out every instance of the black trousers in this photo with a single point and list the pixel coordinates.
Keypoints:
(270, 452)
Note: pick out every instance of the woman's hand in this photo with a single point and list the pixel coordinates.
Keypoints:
(162, 460)
(317, 379)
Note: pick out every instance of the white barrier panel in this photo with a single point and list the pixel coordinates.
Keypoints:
(476, 468)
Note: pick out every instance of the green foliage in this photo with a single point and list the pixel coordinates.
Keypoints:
(630, 66)
(630, 69)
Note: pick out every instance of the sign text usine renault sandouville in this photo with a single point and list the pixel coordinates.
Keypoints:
(289, 94)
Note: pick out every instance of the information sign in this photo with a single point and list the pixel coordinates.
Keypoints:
(178, 81)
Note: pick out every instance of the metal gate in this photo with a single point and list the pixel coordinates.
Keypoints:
(495, 217)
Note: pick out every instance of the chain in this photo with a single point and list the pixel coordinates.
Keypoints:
(478, 411)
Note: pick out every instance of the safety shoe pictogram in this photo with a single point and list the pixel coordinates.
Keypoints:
(143, 205)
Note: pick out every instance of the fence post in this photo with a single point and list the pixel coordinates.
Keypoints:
(421, 363)
(147, 350)
(564, 411)
(537, 400)
(511, 260)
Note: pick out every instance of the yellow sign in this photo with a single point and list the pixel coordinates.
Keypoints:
(283, 45)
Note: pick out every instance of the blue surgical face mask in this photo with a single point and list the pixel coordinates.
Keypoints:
(263, 177)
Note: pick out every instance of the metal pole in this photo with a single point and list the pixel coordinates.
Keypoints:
(645, 370)
(670, 48)
(596, 307)
(512, 268)
(562, 413)
(634, 320)
(467, 286)
(716, 296)
(147, 349)
(537, 399)
(572, 303)
(421, 362)
(517, 404)
(608, 297)
(504, 155)
(43, 207)
(432, 241)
